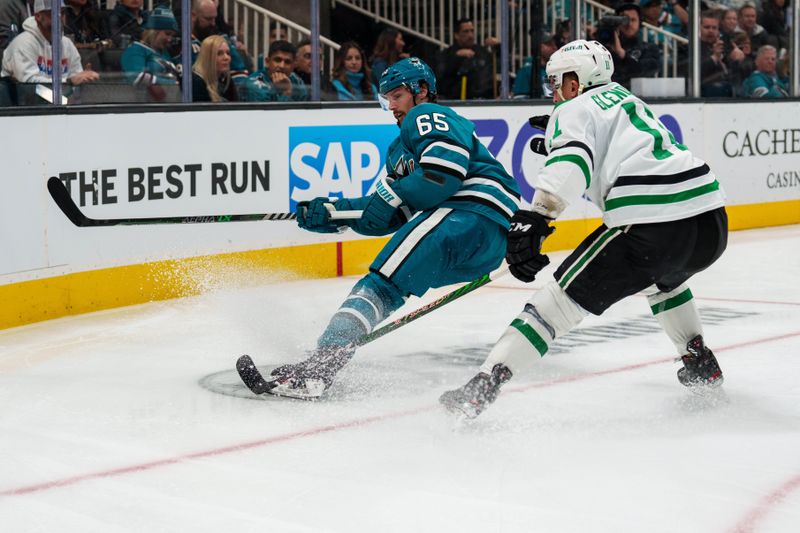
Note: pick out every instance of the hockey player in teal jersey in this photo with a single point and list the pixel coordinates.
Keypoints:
(663, 221)
(448, 203)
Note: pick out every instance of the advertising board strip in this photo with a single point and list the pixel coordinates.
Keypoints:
(200, 162)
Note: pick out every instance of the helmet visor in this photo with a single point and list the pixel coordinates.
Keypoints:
(383, 101)
(554, 82)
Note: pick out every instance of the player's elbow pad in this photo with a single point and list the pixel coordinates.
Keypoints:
(423, 190)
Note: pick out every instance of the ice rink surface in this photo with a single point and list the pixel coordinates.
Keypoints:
(133, 420)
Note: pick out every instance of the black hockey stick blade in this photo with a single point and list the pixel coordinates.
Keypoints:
(62, 198)
(251, 376)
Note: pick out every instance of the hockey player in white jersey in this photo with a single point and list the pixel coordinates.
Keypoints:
(663, 221)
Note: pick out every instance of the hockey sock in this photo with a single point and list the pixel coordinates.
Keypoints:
(547, 316)
(371, 300)
(677, 313)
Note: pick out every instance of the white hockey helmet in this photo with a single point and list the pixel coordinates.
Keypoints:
(590, 60)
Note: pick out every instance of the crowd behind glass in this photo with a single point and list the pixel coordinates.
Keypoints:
(134, 54)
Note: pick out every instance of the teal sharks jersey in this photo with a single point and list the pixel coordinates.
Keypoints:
(438, 161)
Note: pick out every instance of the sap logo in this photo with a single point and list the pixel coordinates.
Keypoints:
(671, 123)
(336, 161)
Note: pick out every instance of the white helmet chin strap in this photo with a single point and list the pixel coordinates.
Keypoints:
(561, 95)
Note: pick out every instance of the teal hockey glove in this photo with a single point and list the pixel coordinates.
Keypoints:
(315, 216)
(381, 206)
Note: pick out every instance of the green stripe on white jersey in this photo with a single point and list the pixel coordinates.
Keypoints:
(613, 149)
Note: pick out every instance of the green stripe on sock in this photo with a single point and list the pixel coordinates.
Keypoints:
(538, 342)
(671, 303)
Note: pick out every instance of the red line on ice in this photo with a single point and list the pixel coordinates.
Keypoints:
(39, 487)
(710, 298)
(750, 521)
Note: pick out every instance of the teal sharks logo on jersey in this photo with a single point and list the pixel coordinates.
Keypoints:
(403, 167)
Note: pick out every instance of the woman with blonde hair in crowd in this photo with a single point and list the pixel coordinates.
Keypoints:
(352, 78)
(388, 51)
(211, 72)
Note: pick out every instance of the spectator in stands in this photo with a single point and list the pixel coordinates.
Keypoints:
(389, 49)
(277, 82)
(223, 26)
(765, 82)
(29, 57)
(302, 61)
(714, 79)
(302, 69)
(465, 69)
(672, 17)
(277, 33)
(125, 22)
(728, 23)
(633, 58)
(147, 63)
(522, 82)
(84, 24)
(204, 24)
(563, 32)
(352, 77)
(204, 21)
(741, 64)
(211, 72)
(747, 23)
(12, 14)
(775, 19)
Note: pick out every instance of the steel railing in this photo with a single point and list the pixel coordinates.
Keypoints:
(252, 24)
(433, 21)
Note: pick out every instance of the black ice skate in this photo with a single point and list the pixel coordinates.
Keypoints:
(471, 399)
(310, 378)
(700, 367)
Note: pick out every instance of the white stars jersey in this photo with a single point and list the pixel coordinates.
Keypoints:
(608, 144)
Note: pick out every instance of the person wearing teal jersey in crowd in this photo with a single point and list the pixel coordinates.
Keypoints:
(444, 198)
(351, 75)
(522, 83)
(276, 82)
(765, 82)
(147, 62)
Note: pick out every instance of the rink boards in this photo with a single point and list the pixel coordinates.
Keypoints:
(265, 160)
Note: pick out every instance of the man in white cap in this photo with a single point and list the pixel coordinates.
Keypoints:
(29, 57)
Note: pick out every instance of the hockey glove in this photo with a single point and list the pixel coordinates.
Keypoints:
(381, 206)
(524, 244)
(539, 121)
(315, 216)
(537, 146)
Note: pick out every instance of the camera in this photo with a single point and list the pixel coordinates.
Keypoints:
(607, 25)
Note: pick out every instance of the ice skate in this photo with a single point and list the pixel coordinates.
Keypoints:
(471, 399)
(700, 367)
(309, 378)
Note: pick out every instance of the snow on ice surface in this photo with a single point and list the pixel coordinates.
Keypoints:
(104, 425)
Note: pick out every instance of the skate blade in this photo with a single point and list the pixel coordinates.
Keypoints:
(704, 388)
(462, 412)
(312, 389)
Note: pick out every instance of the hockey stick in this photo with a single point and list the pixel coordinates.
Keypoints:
(252, 377)
(64, 201)
(436, 304)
